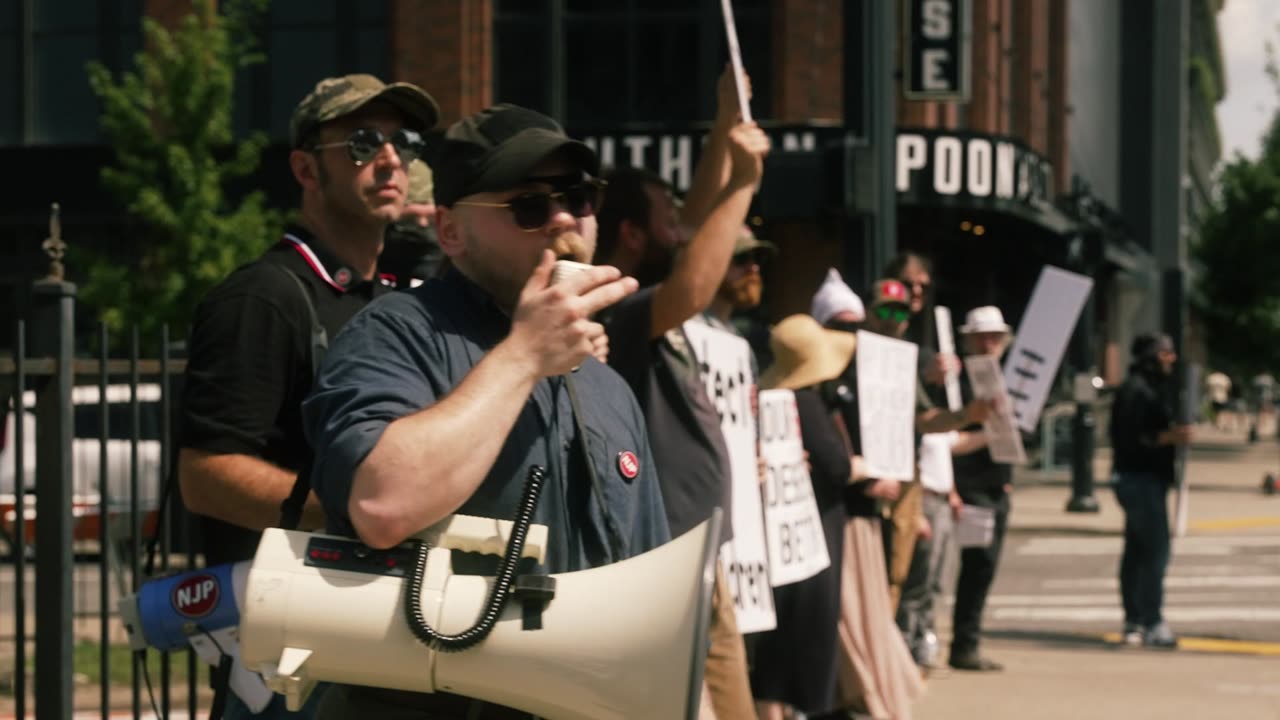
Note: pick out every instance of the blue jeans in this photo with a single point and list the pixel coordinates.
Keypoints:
(1146, 545)
(275, 710)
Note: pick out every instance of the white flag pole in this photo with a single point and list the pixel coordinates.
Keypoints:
(735, 57)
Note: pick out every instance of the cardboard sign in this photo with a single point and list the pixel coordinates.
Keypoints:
(947, 345)
(724, 361)
(1042, 337)
(887, 405)
(1003, 439)
(975, 526)
(792, 524)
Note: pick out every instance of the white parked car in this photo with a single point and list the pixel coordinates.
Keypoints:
(86, 456)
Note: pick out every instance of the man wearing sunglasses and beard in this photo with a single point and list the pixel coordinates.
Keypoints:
(743, 285)
(257, 336)
(444, 398)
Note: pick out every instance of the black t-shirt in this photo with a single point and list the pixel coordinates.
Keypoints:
(249, 364)
(684, 428)
(1140, 412)
(978, 477)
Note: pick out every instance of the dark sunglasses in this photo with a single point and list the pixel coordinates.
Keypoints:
(364, 144)
(894, 313)
(923, 287)
(751, 257)
(532, 211)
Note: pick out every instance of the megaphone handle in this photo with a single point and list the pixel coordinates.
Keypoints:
(501, 587)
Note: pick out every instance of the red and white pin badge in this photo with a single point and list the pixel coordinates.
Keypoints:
(628, 464)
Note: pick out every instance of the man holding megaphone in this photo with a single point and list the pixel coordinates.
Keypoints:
(441, 399)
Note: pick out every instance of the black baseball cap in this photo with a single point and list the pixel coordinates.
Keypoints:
(497, 148)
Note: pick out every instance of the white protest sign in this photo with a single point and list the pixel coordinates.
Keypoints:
(936, 471)
(947, 345)
(793, 527)
(975, 526)
(724, 360)
(1042, 337)
(887, 405)
(735, 57)
(1003, 439)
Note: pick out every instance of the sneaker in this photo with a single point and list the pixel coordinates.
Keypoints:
(975, 663)
(1160, 636)
(1132, 636)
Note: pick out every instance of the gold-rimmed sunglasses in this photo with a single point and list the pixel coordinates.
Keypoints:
(533, 210)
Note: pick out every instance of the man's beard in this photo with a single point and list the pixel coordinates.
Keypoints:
(745, 293)
(655, 265)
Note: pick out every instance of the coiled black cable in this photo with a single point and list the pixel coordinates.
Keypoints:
(501, 586)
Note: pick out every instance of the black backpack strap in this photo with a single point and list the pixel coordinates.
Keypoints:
(291, 508)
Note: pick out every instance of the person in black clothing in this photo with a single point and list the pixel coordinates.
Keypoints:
(411, 254)
(1144, 439)
(983, 482)
(255, 341)
(679, 274)
(796, 662)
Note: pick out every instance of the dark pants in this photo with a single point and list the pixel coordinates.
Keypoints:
(977, 572)
(1146, 546)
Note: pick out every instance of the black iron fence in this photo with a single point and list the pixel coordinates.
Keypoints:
(85, 452)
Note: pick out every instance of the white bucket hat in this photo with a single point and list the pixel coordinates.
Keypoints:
(985, 319)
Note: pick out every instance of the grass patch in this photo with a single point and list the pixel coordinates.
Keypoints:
(86, 664)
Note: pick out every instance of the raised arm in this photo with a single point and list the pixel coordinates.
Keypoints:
(712, 173)
(701, 267)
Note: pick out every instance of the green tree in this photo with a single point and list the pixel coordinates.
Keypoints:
(1238, 294)
(169, 120)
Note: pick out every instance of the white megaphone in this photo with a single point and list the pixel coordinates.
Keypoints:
(626, 640)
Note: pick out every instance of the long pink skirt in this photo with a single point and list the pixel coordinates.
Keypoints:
(877, 675)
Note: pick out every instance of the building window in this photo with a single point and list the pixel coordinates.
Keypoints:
(609, 64)
(306, 41)
(44, 48)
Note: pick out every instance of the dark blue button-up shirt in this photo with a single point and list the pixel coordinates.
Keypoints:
(409, 349)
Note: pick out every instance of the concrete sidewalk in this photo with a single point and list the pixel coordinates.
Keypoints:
(1068, 676)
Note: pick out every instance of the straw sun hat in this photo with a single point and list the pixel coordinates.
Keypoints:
(805, 353)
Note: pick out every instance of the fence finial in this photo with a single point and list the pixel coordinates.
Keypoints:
(53, 245)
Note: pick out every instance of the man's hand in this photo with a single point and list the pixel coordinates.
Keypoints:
(943, 364)
(552, 324)
(925, 529)
(747, 147)
(727, 109)
(953, 499)
(1177, 435)
(977, 411)
(600, 348)
(885, 489)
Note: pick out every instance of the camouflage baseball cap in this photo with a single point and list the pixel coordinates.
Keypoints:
(335, 97)
(421, 186)
(747, 241)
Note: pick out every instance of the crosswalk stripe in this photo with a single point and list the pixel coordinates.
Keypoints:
(1115, 614)
(1170, 582)
(1194, 545)
(1103, 599)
